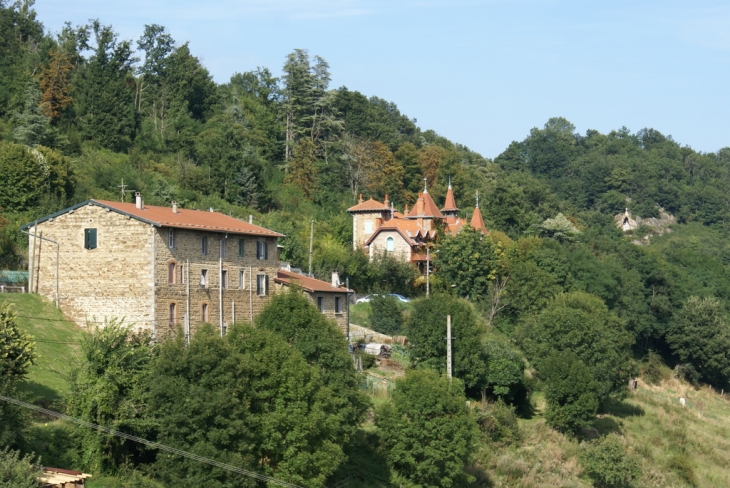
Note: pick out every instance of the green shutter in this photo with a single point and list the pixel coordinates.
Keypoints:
(90, 238)
(240, 248)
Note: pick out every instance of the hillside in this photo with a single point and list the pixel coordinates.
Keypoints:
(57, 344)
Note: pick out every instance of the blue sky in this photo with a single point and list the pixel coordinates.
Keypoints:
(480, 73)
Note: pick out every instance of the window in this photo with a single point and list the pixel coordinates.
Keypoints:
(173, 313)
(204, 278)
(224, 279)
(89, 238)
(172, 273)
(242, 280)
(320, 304)
(338, 304)
(262, 250)
(204, 246)
(171, 238)
(368, 226)
(390, 244)
(204, 313)
(262, 285)
(240, 248)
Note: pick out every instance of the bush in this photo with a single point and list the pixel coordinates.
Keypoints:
(386, 315)
(429, 432)
(505, 369)
(605, 460)
(653, 370)
(570, 392)
(498, 423)
(16, 471)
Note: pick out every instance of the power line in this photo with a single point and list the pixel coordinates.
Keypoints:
(154, 445)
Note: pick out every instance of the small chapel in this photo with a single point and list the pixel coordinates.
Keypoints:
(378, 228)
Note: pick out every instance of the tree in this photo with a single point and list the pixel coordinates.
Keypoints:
(105, 97)
(17, 354)
(426, 330)
(386, 315)
(407, 156)
(505, 369)
(581, 323)
(429, 157)
(249, 399)
(427, 431)
(468, 260)
(571, 392)
(700, 335)
(17, 471)
(323, 345)
(32, 126)
(107, 386)
(560, 228)
(384, 174)
(55, 85)
(302, 167)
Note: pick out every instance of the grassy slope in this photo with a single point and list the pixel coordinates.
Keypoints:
(677, 446)
(58, 342)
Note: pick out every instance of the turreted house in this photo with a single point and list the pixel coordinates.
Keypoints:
(377, 228)
(161, 268)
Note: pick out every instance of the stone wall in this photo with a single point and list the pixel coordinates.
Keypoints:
(115, 280)
(359, 236)
(239, 298)
(401, 249)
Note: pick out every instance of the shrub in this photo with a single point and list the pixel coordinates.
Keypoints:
(570, 392)
(498, 422)
(505, 369)
(653, 369)
(16, 471)
(607, 463)
(386, 315)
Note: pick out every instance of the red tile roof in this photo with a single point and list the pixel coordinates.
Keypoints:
(425, 208)
(306, 283)
(450, 205)
(188, 219)
(477, 222)
(368, 206)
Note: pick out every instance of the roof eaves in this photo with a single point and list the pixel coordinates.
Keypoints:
(122, 212)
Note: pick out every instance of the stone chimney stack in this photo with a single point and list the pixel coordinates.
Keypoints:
(174, 207)
(139, 203)
(250, 219)
(360, 200)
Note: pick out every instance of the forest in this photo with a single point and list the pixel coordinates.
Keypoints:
(555, 303)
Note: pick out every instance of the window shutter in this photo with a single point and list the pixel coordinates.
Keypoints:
(266, 251)
(90, 238)
(240, 248)
(266, 285)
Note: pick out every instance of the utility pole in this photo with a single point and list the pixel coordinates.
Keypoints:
(428, 269)
(448, 346)
(311, 240)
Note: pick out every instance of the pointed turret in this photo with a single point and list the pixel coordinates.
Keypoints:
(450, 209)
(476, 220)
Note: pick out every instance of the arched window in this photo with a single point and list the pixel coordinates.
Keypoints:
(172, 273)
(390, 244)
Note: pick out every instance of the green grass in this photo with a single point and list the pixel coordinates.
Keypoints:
(57, 346)
(360, 314)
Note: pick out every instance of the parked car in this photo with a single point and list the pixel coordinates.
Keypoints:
(399, 297)
(365, 299)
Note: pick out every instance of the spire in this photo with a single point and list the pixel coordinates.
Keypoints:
(477, 222)
(425, 185)
(450, 209)
(449, 182)
(477, 198)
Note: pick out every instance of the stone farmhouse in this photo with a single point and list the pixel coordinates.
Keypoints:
(161, 268)
(377, 228)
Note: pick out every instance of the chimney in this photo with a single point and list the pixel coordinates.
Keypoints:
(174, 207)
(386, 202)
(139, 203)
(210, 209)
(360, 200)
(335, 279)
(250, 219)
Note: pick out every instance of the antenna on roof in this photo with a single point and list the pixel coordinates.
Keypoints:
(124, 189)
(425, 185)
(477, 198)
